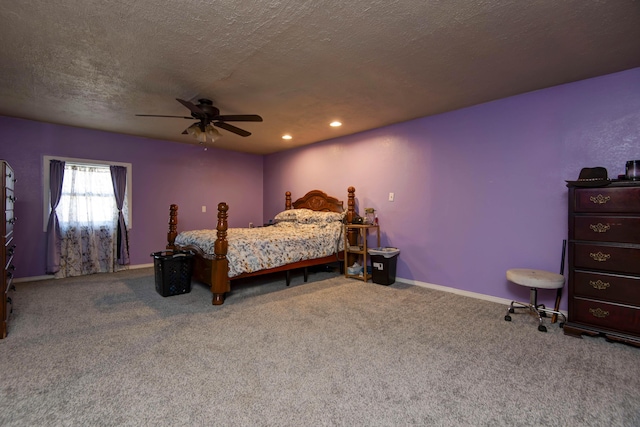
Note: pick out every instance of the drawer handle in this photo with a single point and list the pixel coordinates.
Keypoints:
(600, 257)
(600, 199)
(598, 312)
(599, 284)
(600, 228)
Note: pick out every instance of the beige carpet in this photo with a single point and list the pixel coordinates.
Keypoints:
(107, 350)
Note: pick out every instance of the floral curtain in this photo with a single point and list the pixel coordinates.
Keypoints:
(88, 222)
(56, 174)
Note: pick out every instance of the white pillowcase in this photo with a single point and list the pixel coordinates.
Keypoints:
(307, 216)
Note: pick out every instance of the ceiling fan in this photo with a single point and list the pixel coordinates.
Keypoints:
(207, 115)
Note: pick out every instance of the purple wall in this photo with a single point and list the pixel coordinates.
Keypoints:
(163, 173)
(478, 190)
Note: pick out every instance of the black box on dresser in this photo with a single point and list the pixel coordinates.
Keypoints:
(604, 262)
(8, 245)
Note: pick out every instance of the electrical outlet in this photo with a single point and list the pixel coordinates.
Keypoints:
(204, 209)
(391, 197)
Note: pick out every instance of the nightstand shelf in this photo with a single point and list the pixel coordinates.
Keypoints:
(360, 248)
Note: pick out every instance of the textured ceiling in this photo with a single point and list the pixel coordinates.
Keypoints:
(298, 63)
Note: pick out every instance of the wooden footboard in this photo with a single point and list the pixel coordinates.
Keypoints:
(215, 272)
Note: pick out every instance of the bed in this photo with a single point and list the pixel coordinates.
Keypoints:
(220, 254)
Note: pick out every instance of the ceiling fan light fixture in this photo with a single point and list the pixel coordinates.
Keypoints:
(201, 133)
(194, 130)
(206, 113)
(213, 133)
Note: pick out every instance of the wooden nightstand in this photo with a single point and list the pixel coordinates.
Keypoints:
(360, 247)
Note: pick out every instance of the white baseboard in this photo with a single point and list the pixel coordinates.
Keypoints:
(456, 291)
(33, 278)
(461, 292)
(50, 276)
(138, 266)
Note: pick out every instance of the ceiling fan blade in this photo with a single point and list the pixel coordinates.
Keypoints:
(197, 111)
(232, 128)
(240, 118)
(156, 115)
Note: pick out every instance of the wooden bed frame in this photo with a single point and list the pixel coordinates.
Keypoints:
(214, 272)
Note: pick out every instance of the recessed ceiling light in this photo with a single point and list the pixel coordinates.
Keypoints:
(335, 124)
(287, 136)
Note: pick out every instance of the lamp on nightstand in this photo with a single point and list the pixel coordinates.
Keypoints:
(369, 215)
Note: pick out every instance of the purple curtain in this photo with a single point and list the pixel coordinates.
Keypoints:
(56, 173)
(119, 179)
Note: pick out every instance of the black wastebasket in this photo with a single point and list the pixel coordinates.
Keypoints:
(173, 272)
(383, 265)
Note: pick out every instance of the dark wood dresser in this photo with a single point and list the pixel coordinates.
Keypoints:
(8, 246)
(604, 262)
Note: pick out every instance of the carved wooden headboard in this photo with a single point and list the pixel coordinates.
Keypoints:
(315, 200)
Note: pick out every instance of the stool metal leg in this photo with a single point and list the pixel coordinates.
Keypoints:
(535, 309)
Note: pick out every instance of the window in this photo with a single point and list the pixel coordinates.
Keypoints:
(92, 236)
(87, 185)
(87, 196)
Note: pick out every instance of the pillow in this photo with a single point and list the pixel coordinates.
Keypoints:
(307, 216)
(290, 215)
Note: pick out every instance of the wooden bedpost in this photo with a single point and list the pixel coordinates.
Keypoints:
(173, 226)
(287, 200)
(220, 265)
(351, 204)
(352, 237)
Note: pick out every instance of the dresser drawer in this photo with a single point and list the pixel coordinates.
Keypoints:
(7, 306)
(9, 272)
(9, 199)
(9, 250)
(9, 221)
(610, 316)
(8, 281)
(10, 178)
(623, 229)
(606, 258)
(607, 287)
(607, 200)
(8, 255)
(10, 247)
(4, 308)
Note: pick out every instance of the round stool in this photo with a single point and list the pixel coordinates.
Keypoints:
(534, 280)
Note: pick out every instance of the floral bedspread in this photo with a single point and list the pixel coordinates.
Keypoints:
(254, 249)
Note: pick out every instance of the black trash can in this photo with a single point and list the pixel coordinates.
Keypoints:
(383, 265)
(173, 272)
